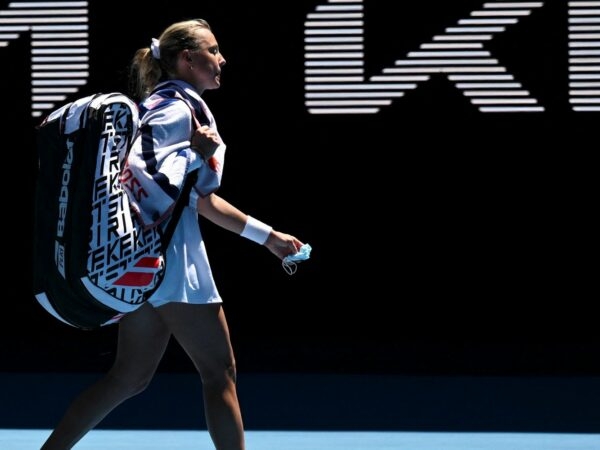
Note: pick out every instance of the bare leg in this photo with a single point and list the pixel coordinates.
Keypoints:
(203, 333)
(143, 338)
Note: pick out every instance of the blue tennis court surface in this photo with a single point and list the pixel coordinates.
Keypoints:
(322, 412)
(310, 440)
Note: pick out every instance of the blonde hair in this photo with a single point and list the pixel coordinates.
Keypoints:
(146, 71)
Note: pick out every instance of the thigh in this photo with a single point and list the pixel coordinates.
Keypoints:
(142, 341)
(202, 332)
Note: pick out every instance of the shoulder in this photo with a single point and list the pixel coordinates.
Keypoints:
(163, 111)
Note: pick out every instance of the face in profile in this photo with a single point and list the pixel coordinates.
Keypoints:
(204, 65)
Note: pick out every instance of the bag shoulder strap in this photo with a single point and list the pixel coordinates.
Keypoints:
(178, 209)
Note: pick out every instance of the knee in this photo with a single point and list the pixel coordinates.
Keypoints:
(139, 385)
(130, 384)
(219, 375)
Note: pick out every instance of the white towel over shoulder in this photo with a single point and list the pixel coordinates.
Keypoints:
(161, 158)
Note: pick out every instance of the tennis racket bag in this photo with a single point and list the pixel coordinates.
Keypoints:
(93, 262)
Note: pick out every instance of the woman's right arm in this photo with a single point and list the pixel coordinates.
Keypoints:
(224, 214)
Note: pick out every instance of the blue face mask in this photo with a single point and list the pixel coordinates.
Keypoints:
(289, 263)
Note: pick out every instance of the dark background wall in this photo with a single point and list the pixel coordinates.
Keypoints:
(444, 240)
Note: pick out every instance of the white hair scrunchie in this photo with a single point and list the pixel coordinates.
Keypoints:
(155, 47)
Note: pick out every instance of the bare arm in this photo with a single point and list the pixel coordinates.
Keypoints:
(224, 214)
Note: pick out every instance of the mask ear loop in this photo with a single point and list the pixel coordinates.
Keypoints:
(289, 266)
